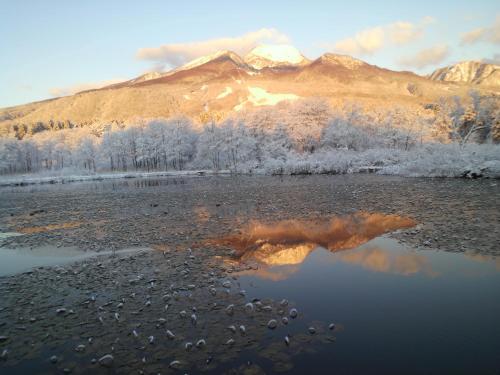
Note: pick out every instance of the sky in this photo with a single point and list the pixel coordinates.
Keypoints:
(54, 48)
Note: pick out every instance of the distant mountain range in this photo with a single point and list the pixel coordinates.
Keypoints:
(214, 86)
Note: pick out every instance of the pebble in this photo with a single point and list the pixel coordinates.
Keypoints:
(249, 307)
(151, 340)
(293, 313)
(331, 327)
(200, 343)
(272, 324)
(230, 342)
(80, 348)
(232, 328)
(230, 310)
(243, 330)
(107, 360)
(188, 346)
(61, 311)
(287, 340)
(170, 335)
(175, 364)
(284, 320)
(312, 330)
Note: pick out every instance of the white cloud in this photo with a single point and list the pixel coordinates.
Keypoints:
(365, 42)
(489, 34)
(426, 57)
(369, 41)
(472, 36)
(403, 32)
(73, 89)
(180, 53)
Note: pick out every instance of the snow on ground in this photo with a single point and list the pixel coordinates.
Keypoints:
(432, 160)
(30, 179)
(259, 96)
(228, 90)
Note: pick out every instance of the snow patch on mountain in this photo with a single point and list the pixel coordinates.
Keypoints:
(261, 97)
(225, 93)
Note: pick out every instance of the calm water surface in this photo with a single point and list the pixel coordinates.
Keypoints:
(396, 310)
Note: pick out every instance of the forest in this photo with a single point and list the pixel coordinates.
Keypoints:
(302, 137)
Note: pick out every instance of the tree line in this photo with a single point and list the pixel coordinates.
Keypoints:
(250, 140)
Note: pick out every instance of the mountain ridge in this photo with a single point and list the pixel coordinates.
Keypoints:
(223, 83)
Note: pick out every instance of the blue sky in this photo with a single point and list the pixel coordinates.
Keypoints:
(54, 47)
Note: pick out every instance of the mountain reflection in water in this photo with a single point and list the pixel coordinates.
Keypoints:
(289, 242)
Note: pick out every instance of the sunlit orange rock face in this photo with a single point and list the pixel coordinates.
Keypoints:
(291, 241)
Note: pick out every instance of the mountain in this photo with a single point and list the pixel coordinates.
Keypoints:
(469, 72)
(214, 86)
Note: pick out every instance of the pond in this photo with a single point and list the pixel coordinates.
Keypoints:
(395, 309)
(406, 270)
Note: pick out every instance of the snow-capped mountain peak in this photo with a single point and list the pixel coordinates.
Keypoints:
(475, 72)
(266, 55)
(203, 60)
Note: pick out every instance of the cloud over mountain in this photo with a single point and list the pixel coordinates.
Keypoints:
(489, 34)
(369, 41)
(426, 57)
(180, 53)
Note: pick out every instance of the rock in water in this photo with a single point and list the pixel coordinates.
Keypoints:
(287, 340)
(293, 313)
(230, 310)
(284, 320)
(331, 327)
(107, 360)
(312, 330)
(53, 359)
